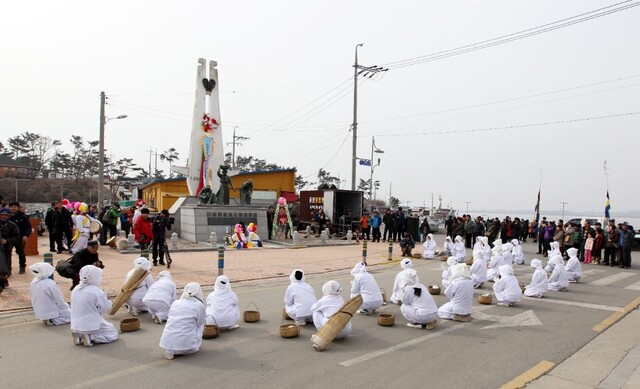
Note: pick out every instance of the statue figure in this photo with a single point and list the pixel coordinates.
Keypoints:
(206, 196)
(225, 182)
(246, 190)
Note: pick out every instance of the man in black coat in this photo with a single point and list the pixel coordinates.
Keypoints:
(84, 257)
(9, 235)
(21, 220)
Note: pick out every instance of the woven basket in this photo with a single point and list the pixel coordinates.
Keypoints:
(289, 330)
(469, 261)
(417, 255)
(211, 331)
(285, 315)
(129, 325)
(444, 258)
(523, 287)
(434, 289)
(384, 295)
(386, 319)
(336, 324)
(485, 299)
(251, 316)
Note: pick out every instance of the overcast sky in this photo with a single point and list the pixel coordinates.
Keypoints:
(278, 59)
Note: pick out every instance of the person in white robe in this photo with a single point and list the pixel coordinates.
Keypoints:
(160, 296)
(328, 305)
(460, 294)
(539, 281)
(299, 298)
(517, 252)
(364, 284)
(418, 306)
(559, 279)
(478, 268)
(486, 249)
(507, 288)
(134, 304)
(555, 249)
(182, 334)
(46, 297)
(459, 251)
(88, 304)
(446, 271)
(223, 309)
(447, 248)
(574, 269)
(506, 253)
(497, 260)
(397, 293)
(429, 247)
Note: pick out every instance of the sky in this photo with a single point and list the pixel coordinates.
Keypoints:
(488, 127)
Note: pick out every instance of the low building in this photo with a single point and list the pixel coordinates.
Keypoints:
(9, 167)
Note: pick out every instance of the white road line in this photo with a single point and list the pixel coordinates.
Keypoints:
(365, 357)
(612, 279)
(593, 271)
(578, 304)
(635, 286)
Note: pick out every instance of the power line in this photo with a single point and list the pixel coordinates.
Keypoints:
(513, 126)
(604, 11)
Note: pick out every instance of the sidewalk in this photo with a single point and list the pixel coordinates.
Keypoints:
(611, 360)
(270, 262)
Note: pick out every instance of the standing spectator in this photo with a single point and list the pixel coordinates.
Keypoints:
(586, 232)
(627, 241)
(398, 224)
(143, 230)
(458, 227)
(364, 223)
(125, 220)
(271, 212)
(526, 231)
(109, 222)
(598, 244)
(161, 223)
(469, 227)
(516, 229)
(479, 228)
(449, 225)
(9, 235)
(549, 230)
(376, 221)
(558, 236)
(387, 219)
(21, 220)
(66, 226)
(425, 229)
(492, 231)
(48, 221)
(506, 230)
(611, 247)
(569, 236)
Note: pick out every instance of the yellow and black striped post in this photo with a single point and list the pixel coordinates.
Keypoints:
(390, 251)
(364, 251)
(220, 260)
(48, 258)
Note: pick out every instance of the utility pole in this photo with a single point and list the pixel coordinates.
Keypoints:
(101, 152)
(357, 70)
(233, 148)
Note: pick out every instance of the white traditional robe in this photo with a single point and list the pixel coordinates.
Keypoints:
(555, 249)
(135, 300)
(364, 284)
(539, 281)
(460, 293)
(459, 251)
(506, 253)
(222, 304)
(46, 297)
(507, 289)
(559, 279)
(160, 296)
(429, 247)
(88, 304)
(418, 309)
(478, 269)
(446, 271)
(518, 254)
(299, 298)
(396, 293)
(574, 269)
(183, 332)
(496, 261)
(328, 305)
(447, 248)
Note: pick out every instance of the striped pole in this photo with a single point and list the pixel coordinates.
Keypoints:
(220, 260)
(390, 251)
(364, 251)
(48, 258)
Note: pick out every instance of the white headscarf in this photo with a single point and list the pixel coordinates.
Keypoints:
(40, 270)
(451, 261)
(497, 243)
(90, 275)
(429, 236)
(557, 260)
(447, 239)
(406, 264)
(409, 277)
(459, 239)
(165, 274)
(515, 242)
(536, 263)
(460, 270)
(292, 276)
(554, 245)
(142, 263)
(359, 268)
(572, 252)
(505, 270)
(496, 250)
(507, 247)
(222, 284)
(331, 288)
(192, 291)
(485, 240)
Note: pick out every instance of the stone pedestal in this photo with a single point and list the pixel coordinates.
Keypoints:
(196, 222)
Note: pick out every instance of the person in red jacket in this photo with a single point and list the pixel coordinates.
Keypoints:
(143, 229)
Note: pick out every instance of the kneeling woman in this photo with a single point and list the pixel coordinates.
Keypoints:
(328, 305)
(88, 304)
(46, 297)
(182, 334)
(418, 307)
(222, 305)
(507, 288)
(460, 294)
(364, 284)
(160, 296)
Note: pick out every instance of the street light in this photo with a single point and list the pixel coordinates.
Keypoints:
(563, 204)
(103, 122)
(374, 149)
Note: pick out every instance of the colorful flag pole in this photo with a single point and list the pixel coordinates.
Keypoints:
(607, 203)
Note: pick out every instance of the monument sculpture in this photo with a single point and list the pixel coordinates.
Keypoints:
(246, 191)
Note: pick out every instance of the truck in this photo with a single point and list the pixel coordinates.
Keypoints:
(343, 208)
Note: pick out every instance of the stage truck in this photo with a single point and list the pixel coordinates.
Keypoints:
(342, 207)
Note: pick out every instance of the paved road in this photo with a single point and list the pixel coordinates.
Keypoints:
(498, 345)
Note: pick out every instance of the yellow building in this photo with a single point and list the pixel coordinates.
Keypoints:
(161, 194)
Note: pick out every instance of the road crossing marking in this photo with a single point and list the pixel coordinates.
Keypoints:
(527, 318)
(593, 271)
(108, 377)
(612, 279)
(635, 286)
(579, 304)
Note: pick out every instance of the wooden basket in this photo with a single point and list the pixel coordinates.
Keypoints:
(386, 319)
(485, 299)
(285, 315)
(129, 325)
(289, 330)
(434, 289)
(469, 261)
(523, 287)
(384, 295)
(251, 316)
(417, 255)
(444, 258)
(211, 331)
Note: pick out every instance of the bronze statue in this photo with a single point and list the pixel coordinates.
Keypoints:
(225, 181)
(206, 196)
(246, 190)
